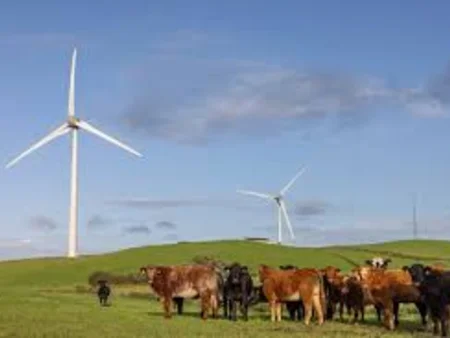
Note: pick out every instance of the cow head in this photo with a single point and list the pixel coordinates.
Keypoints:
(361, 273)
(417, 272)
(331, 273)
(150, 271)
(378, 262)
(262, 272)
(102, 282)
(235, 272)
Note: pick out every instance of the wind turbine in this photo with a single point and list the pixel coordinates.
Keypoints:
(72, 125)
(279, 201)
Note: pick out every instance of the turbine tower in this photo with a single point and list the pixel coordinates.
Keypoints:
(279, 202)
(72, 125)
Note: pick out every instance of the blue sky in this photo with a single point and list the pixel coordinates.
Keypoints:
(220, 97)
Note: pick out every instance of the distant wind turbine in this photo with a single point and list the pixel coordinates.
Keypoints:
(279, 201)
(72, 125)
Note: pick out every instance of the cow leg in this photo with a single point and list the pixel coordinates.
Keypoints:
(444, 323)
(233, 310)
(318, 309)
(422, 308)
(300, 310)
(167, 304)
(272, 306)
(215, 305)
(278, 310)
(205, 300)
(225, 307)
(244, 307)
(355, 314)
(341, 310)
(179, 303)
(378, 309)
(396, 307)
(308, 310)
(388, 311)
(291, 307)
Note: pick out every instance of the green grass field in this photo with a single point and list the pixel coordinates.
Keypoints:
(51, 298)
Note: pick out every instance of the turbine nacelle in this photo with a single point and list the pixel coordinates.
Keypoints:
(73, 122)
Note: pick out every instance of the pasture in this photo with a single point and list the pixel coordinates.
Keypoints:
(52, 298)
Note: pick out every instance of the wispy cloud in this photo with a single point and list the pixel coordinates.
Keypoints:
(156, 204)
(312, 208)
(138, 229)
(252, 100)
(43, 223)
(99, 221)
(166, 225)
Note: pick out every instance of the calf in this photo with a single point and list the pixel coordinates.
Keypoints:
(292, 285)
(103, 292)
(295, 308)
(333, 283)
(387, 289)
(185, 281)
(434, 285)
(238, 288)
(355, 297)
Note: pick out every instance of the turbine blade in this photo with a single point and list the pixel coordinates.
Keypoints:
(61, 130)
(89, 128)
(291, 182)
(71, 103)
(257, 194)
(286, 217)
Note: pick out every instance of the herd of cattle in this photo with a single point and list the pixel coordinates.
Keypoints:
(308, 292)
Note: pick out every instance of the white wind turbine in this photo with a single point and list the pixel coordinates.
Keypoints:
(72, 125)
(279, 201)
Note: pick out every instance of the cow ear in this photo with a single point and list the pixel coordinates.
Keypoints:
(244, 268)
(143, 269)
(388, 260)
(405, 268)
(368, 262)
(338, 270)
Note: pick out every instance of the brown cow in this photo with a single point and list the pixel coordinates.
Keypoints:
(280, 286)
(185, 281)
(387, 289)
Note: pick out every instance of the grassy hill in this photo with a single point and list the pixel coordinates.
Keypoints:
(38, 296)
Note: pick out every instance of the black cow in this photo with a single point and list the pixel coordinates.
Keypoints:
(295, 308)
(238, 287)
(434, 287)
(103, 292)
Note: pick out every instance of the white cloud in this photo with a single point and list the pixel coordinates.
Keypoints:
(277, 99)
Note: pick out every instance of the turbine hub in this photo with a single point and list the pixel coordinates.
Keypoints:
(72, 121)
